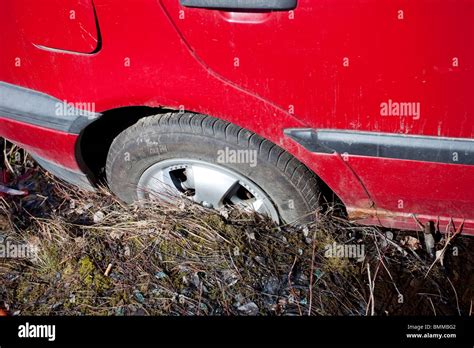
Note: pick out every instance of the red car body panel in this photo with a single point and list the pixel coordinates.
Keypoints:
(75, 21)
(325, 65)
(58, 147)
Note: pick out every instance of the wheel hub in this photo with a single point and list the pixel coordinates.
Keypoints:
(210, 185)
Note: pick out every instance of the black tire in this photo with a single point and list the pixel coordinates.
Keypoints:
(292, 187)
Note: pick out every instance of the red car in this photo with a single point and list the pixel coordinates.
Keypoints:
(264, 104)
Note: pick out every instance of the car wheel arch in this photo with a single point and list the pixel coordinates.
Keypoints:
(96, 139)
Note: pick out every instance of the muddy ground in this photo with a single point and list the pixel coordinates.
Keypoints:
(89, 254)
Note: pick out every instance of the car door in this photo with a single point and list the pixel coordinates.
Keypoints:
(385, 83)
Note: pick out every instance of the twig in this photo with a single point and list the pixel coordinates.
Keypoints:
(371, 298)
(311, 276)
(398, 247)
(107, 271)
(200, 297)
(432, 305)
(5, 160)
(455, 295)
(383, 264)
(291, 286)
(448, 240)
(420, 225)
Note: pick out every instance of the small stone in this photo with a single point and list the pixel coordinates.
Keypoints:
(272, 286)
(306, 231)
(230, 277)
(194, 280)
(249, 308)
(56, 305)
(138, 296)
(224, 213)
(98, 217)
(318, 273)
(160, 275)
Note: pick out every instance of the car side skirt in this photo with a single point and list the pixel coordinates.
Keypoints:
(386, 145)
(32, 107)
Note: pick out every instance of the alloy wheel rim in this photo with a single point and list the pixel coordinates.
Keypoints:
(210, 185)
